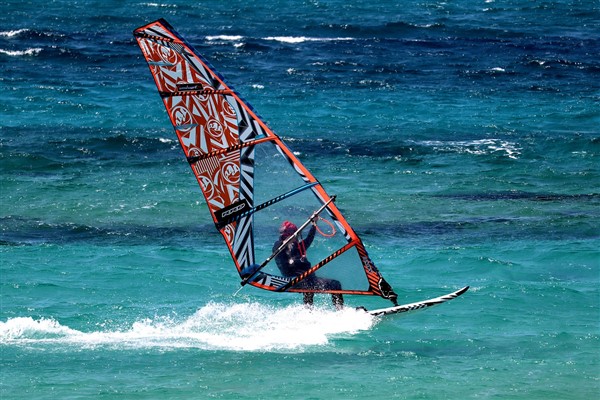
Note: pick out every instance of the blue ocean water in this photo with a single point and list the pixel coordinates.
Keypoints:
(462, 139)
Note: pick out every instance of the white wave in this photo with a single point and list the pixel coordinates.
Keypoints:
(283, 39)
(27, 327)
(239, 327)
(477, 147)
(159, 5)
(301, 39)
(229, 38)
(17, 53)
(13, 33)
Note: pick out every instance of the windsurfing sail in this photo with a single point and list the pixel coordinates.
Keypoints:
(251, 181)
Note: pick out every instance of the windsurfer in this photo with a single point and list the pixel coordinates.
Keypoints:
(292, 262)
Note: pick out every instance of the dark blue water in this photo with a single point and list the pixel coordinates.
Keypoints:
(462, 141)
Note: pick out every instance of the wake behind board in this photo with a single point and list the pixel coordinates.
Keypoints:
(418, 305)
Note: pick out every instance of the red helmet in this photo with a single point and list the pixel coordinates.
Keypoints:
(287, 228)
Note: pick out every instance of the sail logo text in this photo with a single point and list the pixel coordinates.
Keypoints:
(233, 210)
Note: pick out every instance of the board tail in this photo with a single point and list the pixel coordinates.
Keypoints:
(419, 305)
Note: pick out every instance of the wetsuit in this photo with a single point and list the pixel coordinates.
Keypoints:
(292, 262)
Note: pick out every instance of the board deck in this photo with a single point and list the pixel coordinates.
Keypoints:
(418, 305)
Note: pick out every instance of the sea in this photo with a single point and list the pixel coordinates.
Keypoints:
(462, 139)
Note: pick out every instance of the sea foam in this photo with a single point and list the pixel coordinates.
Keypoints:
(216, 326)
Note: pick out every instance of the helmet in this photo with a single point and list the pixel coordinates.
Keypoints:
(287, 228)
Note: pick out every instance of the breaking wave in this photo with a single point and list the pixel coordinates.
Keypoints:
(13, 33)
(302, 39)
(477, 147)
(16, 53)
(281, 39)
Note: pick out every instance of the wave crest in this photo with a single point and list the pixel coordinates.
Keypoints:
(13, 33)
(16, 53)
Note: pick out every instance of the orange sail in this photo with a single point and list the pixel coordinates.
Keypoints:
(251, 181)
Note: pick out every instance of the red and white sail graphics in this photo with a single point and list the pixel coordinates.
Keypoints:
(250, 179)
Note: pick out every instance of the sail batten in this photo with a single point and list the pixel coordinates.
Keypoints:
(238, 211)
(230, 149)
(193, 92)
(153, 37)
(250, 179)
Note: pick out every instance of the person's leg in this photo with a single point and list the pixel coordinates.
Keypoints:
(308, 298)
(338, 301)
(332, 284)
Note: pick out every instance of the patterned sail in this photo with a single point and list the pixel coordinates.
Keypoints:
(251, 181)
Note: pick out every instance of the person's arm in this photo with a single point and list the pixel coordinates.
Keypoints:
(310, 237)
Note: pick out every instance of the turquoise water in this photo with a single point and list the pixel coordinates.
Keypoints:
(461, 139)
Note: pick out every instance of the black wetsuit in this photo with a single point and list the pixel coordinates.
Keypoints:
(292, 262)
